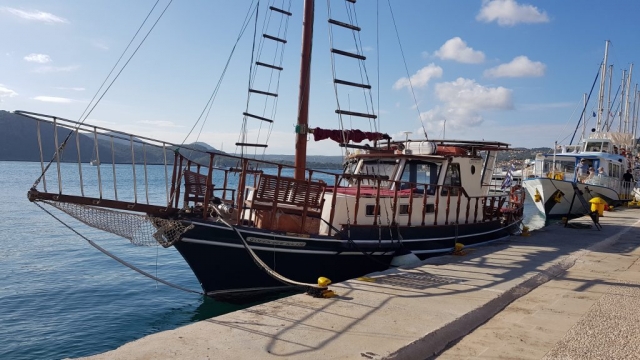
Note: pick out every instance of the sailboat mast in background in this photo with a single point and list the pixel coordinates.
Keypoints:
(603, 77)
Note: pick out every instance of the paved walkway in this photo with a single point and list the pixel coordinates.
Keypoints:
(592, 311)
(414, 313)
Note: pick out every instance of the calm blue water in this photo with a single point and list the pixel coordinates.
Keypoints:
(60, 297)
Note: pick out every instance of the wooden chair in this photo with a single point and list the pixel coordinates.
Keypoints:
(195, 187)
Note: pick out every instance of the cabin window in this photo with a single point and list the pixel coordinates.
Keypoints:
(424, 174)
(473, 169)
(350, 166)
(369, 210)
(614, 170)
(566, 166)
(403, 209)
(430, 208)
(380, 168)
(593, 146)
(452, 178)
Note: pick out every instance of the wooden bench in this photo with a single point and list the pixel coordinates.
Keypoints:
(195, 187)
(285, 195)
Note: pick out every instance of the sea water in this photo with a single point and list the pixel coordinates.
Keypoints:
(60, 297)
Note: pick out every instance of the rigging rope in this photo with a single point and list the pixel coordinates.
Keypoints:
(585, 106)
(114, 257)
(406, 68)
(209, 104)
(567, 123)
(261, 263)
(277, 86)
(61, 147)
(243, 131)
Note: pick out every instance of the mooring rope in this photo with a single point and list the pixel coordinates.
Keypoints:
(114, 257)
(264, 266)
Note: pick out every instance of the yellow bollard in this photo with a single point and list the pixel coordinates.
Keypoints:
(597, 204)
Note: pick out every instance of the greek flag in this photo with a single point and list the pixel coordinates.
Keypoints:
(508, 179)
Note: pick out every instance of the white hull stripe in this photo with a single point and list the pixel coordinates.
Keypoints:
(270, 249)
(356, 241)
(451, 249)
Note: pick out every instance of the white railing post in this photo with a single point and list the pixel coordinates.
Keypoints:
(44, 181)
(55, 139)
(133, 165)
(113, 166)
(79, 162)
(95, 142)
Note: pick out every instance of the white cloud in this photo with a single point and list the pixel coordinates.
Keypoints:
(520, 66)
(6, 92)
(36, 15)
(456, 49)
(52, 69)
(466, 93)
(38, 58)
(420, 78)
(99, 45)
(160, 123)
(509, 13)
(71, 88)
(462, 103)
(53, 99)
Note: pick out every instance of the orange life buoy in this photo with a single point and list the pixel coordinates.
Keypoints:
(514, 194)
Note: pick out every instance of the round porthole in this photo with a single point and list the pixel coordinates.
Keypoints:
(473, 169)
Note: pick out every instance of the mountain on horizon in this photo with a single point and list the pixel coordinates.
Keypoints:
(19, 142)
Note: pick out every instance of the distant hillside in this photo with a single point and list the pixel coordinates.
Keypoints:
(313, 161)
(521, 153)
(19, 142)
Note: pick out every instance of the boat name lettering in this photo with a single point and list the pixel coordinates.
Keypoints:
(276, 242)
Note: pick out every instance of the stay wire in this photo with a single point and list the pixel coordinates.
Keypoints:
(114, 257)
(209, 103)
(406, 68)
(64, 143)
(128, 60)
(584, 109)
(119, 59)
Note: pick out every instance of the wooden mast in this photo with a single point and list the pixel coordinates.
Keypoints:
(303, 99)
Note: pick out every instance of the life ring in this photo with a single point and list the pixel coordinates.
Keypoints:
(515, 194)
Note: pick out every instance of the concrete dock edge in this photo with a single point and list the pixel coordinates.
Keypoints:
(405, 313)
(435, 342)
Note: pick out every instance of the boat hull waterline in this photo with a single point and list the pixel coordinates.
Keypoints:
(224, 267)
(551, 189)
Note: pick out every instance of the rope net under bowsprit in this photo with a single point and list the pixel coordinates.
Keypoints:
(141, 230)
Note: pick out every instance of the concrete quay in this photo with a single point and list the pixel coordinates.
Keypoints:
(527, 297)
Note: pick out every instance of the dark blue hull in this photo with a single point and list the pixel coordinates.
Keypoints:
(224, 267)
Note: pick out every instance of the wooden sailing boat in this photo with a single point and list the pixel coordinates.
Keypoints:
(394, 198)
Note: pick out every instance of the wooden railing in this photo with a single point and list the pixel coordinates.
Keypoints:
(190, 178)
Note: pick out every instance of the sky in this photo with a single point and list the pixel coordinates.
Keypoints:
(501, 70)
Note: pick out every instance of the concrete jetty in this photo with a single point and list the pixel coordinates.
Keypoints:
(419, 312)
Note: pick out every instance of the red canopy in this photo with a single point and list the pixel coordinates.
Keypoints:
(344, 136)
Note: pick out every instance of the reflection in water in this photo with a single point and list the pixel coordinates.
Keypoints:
(533, 218)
